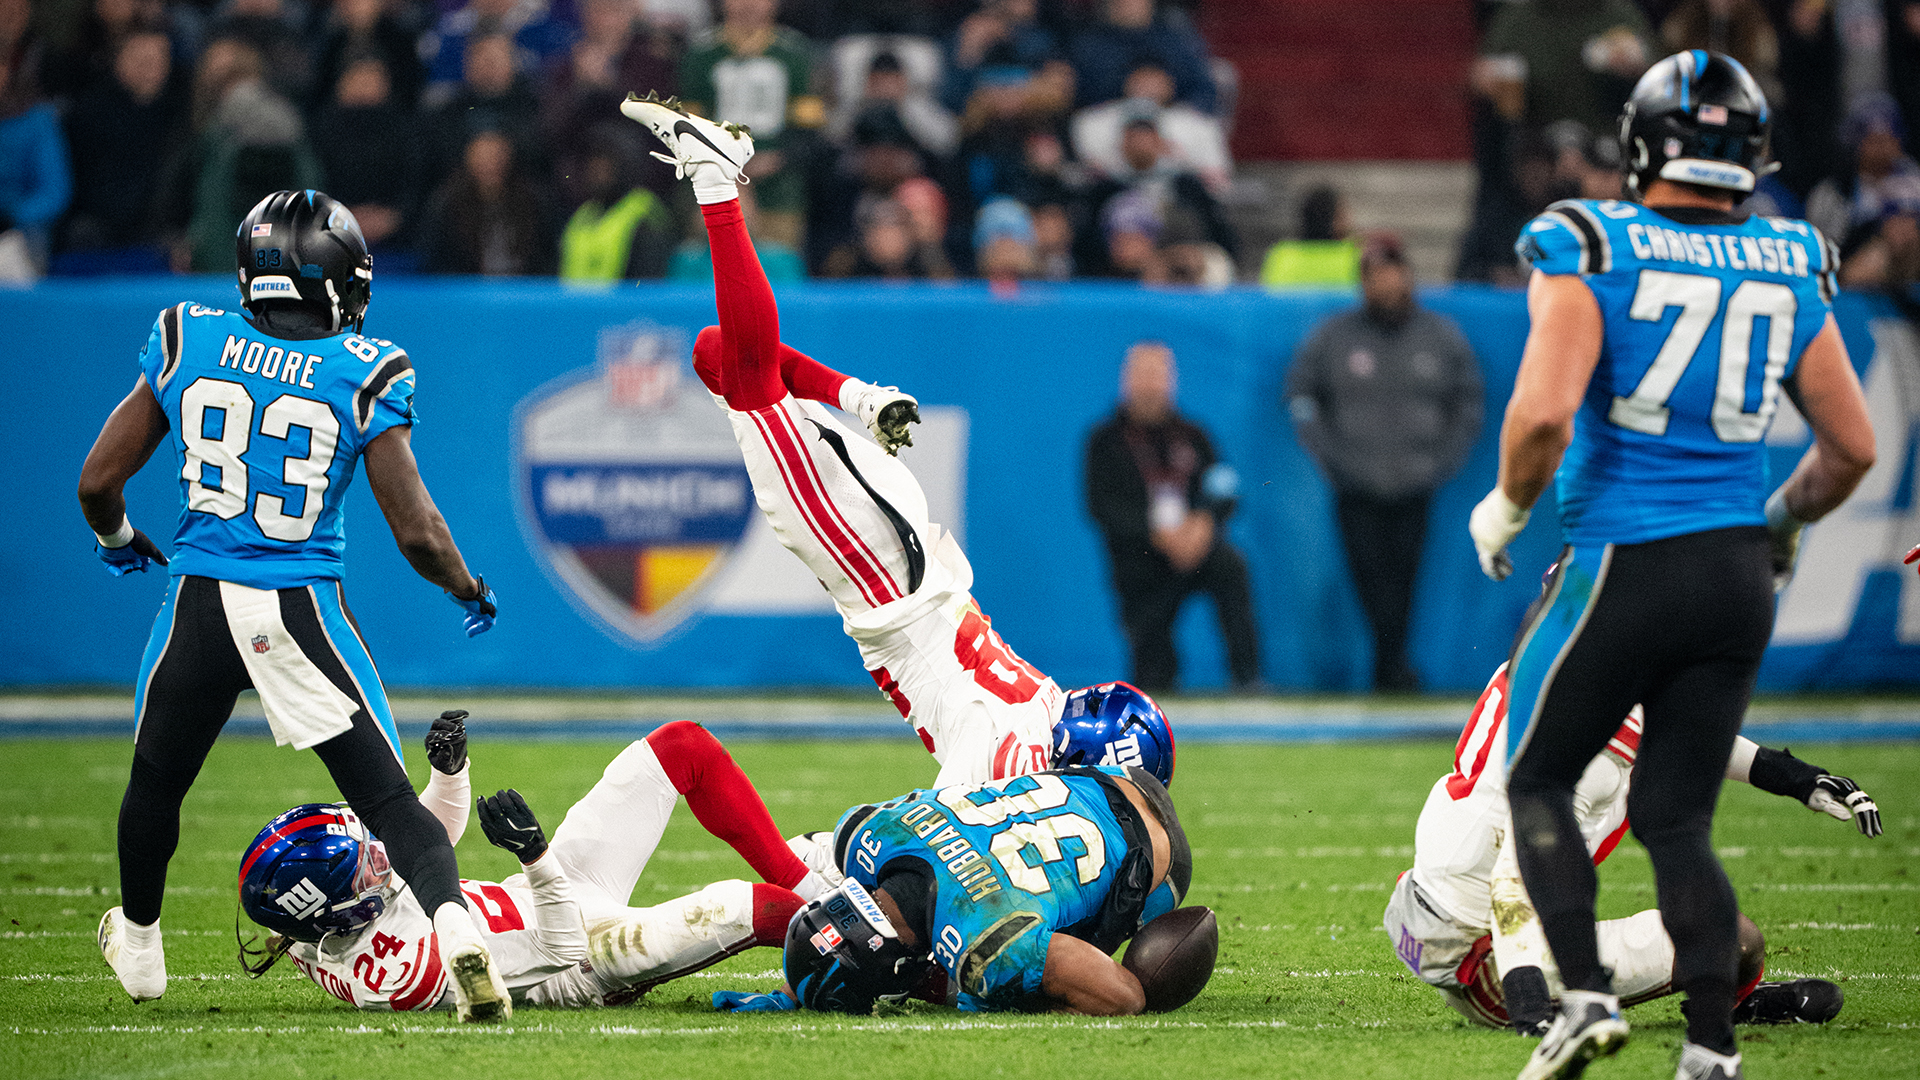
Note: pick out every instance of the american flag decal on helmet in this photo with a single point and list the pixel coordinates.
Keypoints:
(1713, 114)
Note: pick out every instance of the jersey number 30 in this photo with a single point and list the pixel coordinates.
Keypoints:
(226, 497)
(1698, 298)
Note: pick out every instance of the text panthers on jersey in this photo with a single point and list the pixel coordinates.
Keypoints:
(1704, 315)
(268, 431)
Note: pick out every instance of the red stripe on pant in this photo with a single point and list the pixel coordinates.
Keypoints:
(890, 589)
(788, 454)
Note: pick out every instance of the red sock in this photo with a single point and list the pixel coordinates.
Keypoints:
(749, 319)
(723, 800)
(803, 376)
(773, 909)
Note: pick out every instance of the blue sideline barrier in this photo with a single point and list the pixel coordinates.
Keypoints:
(1032, 373)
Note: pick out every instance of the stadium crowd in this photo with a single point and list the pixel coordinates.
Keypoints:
(899, 139)
(1010, 138)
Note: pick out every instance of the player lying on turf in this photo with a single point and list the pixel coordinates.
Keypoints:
(561, 931)
(1009, 895)
(858, 519)
(1461, 920)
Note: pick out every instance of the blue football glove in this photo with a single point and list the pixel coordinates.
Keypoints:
(747, 1001)
(134, 557)
(480, 610)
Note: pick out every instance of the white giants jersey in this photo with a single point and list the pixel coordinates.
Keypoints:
(1461, 827)
(983, 713)
(395, 962)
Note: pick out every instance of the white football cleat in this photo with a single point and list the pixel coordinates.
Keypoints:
(1588, 1026)
(479, 993)
(692, 140)
(142, 971)
(1699, 1063)
(886, 412)
(816, 850)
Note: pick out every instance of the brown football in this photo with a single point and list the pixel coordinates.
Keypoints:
(1173, 956)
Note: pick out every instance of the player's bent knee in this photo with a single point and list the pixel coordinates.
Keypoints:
(684, 750)
(706, 359)
(1753, 951)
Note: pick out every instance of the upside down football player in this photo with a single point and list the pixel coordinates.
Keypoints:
(561, 932)
(858, 519)
(1461, 919)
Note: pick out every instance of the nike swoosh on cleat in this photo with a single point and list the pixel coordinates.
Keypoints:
(684, 128)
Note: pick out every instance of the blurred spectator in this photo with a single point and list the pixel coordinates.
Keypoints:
(749, 71)
(1882, 181)
(885, 246)
(87, 60)
(1003, 242)
(1807, 121)
(495, 97)
(888, 90)
(273, 28)
(1324, 257)
(1053, 241)
(1003, 112)
(1145, 169)
(1188, 257)
(1903, 61)
(36, 182)
(1130, 31)
(622, 231)
(681, 19)
(1131, 224)
(364, 126)
(1387, 398)
(883, 158)
(1738, 28)
(1884, 257)
(1007, 30)
(1547, 60)
(529, 24)
(926, 207)
(615, 53)
(693, 260)
(358, 29)
(1194, 140)
(488, 218)
(248, 142)
(116, 132)
(1160, 496)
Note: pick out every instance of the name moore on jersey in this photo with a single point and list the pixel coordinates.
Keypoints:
(268, 431)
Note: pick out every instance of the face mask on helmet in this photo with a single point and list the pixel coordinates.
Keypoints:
(1113, 724)
(313, 871)
(844, 955)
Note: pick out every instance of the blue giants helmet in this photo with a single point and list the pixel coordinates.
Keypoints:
(1113, 724)
(314, 870)
(843, 954)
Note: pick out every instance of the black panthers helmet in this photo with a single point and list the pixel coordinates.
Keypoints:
(843, 955)
(305, 247)
(1696, 117)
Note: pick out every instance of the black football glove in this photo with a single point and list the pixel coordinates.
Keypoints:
(447, 742)
(509, 824)
(1843, 799)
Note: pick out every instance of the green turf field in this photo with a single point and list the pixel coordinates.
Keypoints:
(1295, 847)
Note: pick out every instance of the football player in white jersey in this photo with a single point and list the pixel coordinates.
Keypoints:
(1460, 919)
(561, 932)
(855, 515)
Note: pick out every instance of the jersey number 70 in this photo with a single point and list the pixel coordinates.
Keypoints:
(1698, 298)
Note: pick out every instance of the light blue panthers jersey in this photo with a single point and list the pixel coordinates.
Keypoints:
(1013, 861)
(1701, 324)
(268, 432)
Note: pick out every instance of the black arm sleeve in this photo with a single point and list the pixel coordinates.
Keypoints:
(1780, 773)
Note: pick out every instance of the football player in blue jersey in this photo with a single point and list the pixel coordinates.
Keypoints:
(269, 411)
(1009, 895)
(1664, 330)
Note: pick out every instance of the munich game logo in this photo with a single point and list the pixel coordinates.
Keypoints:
(632, 489)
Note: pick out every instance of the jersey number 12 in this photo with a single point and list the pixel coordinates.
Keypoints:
(1698, 298)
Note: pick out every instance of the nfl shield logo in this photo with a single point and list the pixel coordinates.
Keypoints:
(260, 643)
(632, 489)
